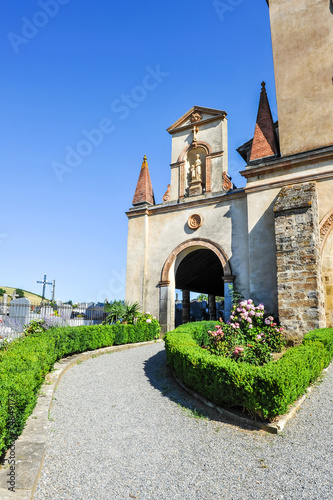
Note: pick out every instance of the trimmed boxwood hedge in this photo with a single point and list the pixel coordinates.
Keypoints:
(267, 390)
(26, 362)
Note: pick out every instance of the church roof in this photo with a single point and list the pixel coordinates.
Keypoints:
(196, 115)
(144, 190)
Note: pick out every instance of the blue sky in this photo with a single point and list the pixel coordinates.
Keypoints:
(67, 68)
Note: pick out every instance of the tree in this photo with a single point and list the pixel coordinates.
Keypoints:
(19, 292)
(2, 292)
(202, 297)
(126, 312)
(131, 311)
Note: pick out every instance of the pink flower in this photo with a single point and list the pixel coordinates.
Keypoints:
(267, 321)
(148, 320)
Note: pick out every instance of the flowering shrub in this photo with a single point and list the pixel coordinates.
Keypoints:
(147, 318)
(248, 336)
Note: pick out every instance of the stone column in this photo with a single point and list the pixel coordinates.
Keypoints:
(212, 307)
(186, 306)
(227, 298)
(300, 287)
(163, 312)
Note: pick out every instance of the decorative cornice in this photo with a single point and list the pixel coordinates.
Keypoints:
(216, 154)
(215, 113)
(306, 158)
(271, 184)
(203, 122)
(164, 283)
(184, 205)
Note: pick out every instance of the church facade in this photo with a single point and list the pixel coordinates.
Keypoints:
(273, 239)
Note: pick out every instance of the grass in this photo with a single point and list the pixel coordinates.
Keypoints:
(193, 412)
(33, 297)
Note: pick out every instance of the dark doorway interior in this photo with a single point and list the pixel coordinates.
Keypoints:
(201, 272)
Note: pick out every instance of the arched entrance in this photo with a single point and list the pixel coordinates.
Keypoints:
(326, 236)
(197, 265)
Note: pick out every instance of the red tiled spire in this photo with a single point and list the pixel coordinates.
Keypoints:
(144, 191)
(264, 140)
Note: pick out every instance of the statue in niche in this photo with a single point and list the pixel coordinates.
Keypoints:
(196, 169)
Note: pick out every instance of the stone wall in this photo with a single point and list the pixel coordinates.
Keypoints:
(300, 288)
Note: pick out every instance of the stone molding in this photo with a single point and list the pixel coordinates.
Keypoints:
(227, 184)
(166, 196)
(198, 144)
(175, 206)
(278, 164)
(202, 242)
(325, 227)
(195, 221)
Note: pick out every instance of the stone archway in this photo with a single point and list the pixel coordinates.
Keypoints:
(174, 262)
(326, 238)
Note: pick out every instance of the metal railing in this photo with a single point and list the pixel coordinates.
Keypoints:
(16, 313)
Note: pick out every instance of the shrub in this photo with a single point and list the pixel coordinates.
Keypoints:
(266, 390)
(25, 362)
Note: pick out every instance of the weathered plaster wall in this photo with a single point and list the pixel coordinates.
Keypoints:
(136, 258)
(224, 223)
(325, 197)
(262, 248)
(302, 37)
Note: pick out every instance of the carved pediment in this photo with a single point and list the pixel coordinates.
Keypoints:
(197, 115)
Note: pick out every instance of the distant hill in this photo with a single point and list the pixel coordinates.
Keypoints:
(33, 297)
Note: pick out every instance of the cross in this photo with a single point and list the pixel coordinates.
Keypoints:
(44, 283)
(15, 295)
(195, 130)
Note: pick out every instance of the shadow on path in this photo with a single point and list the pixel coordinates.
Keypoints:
(160, 377)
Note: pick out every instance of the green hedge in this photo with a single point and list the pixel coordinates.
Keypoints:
(266, 390)
(26, 362)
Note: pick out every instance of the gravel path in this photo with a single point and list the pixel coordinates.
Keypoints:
(123, 429)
